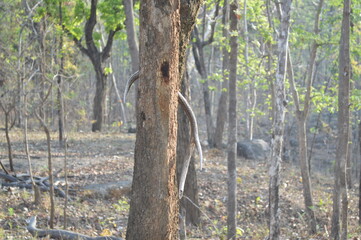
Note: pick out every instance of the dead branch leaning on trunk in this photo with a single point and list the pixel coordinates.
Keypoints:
(60, 234)
(194, 126)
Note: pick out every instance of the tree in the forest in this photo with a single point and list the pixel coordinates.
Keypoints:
(340, 201)
(113, 17)
(301, 116)
(154, 201)
(185, 146)
(202, 39)
(232, 127)
(222, 103)
(278, 119)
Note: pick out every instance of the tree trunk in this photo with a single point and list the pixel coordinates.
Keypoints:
(232, 129)
(222, 104)
(184, 150)
(188, 14)
(154, 202)
(131, 34)
(99, 98)
(60, 102)
(306, 182)
(278, 121)
(339, 230)
(199, 59)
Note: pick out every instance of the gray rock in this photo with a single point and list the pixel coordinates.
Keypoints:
(256, 149)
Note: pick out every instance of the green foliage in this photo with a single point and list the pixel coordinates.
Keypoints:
(112, 14)
(11, 211)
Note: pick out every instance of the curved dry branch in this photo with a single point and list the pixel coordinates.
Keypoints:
(60, 234)
(194, 126)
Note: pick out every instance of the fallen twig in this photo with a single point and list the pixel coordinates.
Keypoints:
(60, 234)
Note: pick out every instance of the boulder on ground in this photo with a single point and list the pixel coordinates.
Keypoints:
(256, 149)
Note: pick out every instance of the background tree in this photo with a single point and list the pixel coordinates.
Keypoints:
(340, 208)
(301, 116)
(232, 127)
(113, 17)
(278, 120)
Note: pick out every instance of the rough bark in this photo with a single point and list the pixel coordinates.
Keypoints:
(340, 202)
(278, 120)
(232, 129)
(154, 201)
(222, 104)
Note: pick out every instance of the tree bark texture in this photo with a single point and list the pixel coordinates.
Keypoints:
(339, 214)
(232, 129)
(222, 104)
(154, 201)
(278, 120)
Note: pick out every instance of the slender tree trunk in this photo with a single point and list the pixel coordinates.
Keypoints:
(306, 181)
(251, 99)
(60, 102)
(131, 34)
(339, 214)
(154, 201)
(7, 134)
(132, 41)
(232, 129)
(50, 171)
(222, 104)
(278, 121)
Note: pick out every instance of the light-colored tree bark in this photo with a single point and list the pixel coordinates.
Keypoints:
(252, 94)
(154, 201)
(60, 100)
(340, 201)
(222, 104)
(232, 128)
(278, 120)
(131, 34)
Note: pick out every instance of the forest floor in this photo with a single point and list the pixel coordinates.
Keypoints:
(100, 167)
